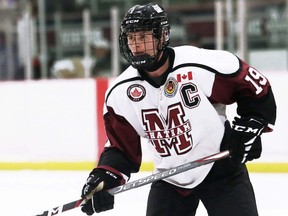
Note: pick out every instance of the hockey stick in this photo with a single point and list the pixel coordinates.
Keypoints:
(142, 181)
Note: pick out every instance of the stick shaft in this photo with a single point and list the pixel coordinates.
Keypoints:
(144, 181)
(170, 172)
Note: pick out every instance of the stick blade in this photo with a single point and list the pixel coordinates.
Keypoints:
(63, 208)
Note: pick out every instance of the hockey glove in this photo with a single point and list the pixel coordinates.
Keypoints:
(97, 183)
(245, 142)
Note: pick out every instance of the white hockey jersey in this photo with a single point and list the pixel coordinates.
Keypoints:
(179, 117)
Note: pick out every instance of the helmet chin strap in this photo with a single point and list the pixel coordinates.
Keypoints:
(156, 65)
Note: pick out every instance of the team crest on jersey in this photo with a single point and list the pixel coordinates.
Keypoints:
(136, 92)
(171, 87)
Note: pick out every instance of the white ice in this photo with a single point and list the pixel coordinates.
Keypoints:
(28, 193)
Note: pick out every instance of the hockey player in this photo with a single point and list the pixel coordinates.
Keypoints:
(175, 97)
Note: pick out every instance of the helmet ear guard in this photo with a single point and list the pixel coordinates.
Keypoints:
(166, 35)
(149, 17)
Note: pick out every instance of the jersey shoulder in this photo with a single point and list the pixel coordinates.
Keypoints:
(218, 61)
(124, 79)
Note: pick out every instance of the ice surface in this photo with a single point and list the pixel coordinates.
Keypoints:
(28, 193)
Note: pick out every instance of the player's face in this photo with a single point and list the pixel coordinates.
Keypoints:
(142, 42)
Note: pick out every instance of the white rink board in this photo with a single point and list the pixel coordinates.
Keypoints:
(55, 121)
(47, 121)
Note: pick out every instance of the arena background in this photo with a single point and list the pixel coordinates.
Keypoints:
(57, 125)
(52, 98)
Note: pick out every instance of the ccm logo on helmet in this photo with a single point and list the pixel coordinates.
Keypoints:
(132, 21)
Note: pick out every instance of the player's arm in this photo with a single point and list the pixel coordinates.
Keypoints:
(251, 91)
(257, 111)
(123, 151)
(256, 108)
(121, 157)
(254, 96)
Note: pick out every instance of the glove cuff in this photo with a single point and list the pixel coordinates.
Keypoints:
(122, 177)
(258, 120)
(111, 177)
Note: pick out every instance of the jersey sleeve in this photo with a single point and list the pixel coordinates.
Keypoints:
(251, 91)
(123, 151)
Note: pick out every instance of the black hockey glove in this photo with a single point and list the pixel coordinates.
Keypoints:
(245, 143)
(98, 182)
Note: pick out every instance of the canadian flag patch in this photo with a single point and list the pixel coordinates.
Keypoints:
(184, 76)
